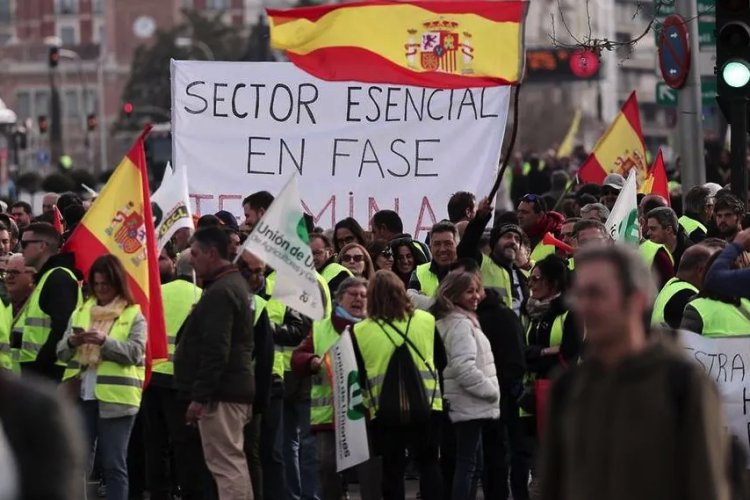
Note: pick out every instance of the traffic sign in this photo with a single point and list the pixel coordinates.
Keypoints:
(42, 156)
(665, 95)
(674, 51)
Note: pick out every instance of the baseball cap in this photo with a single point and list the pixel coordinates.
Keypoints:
(615, 181)
(228, 220)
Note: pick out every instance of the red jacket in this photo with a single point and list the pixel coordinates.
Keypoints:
(304, 353)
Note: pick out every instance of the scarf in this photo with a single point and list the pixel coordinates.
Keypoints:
(537, 309)
(469, 314)
(102, 320)
(343, 314)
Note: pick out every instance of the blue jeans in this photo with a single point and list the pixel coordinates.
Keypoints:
(468, 443)
(271, 444)
(111, 436)
(300, 455)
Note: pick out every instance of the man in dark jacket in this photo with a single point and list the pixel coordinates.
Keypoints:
(214, 365)
(504, 244)
(56, 296)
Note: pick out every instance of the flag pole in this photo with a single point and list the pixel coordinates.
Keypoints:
(509, 151)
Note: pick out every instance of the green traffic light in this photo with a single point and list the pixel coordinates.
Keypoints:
(736, 73)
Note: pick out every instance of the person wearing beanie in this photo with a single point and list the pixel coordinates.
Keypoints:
(498, 269)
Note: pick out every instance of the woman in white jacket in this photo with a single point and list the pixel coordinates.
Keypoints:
(470, 384)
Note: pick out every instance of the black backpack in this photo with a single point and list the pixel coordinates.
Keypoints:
(403, 399)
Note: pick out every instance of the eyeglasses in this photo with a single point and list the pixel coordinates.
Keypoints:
(352, 258)
(13, 272)
(25, 243)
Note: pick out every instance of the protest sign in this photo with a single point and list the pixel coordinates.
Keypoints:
(348, 404)
(726, 361)
(281, 239)
(242, 127)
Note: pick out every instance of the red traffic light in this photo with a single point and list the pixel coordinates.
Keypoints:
(127, 108)
(54, 57)
(42, 122)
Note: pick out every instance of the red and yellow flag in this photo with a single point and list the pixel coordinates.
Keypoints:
(620, 149)
(120, 223)
(656, 181)
(447, 44)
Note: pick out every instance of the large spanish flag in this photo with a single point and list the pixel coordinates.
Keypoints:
(620, 149)
(438, 43)
(120, 223)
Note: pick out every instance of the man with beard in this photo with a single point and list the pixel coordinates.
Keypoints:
(728, 212)
(498, 269)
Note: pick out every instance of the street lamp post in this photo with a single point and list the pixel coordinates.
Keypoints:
(70, 54)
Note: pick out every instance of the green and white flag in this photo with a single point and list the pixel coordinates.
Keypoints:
(622, 224)
(281, 240)
(348, 404)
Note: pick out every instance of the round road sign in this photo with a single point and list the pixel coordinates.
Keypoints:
(674, 51)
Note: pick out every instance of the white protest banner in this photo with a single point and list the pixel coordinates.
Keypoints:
(348, 404)
(242, 127)
(171, 205)
(622, 223)
(726, 361)
(280, 239)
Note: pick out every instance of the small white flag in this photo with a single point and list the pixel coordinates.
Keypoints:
(348, 404)
(171, 205)
(622, 224)
(280, 239)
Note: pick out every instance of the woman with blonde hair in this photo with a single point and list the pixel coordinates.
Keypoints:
(356, 259)
(470, 385)
(393, 325)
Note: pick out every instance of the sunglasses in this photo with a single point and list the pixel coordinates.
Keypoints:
(530, 198)
(352, 258)
(387, 254)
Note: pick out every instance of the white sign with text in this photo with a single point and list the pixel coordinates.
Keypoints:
(726, 360)
(242, 127)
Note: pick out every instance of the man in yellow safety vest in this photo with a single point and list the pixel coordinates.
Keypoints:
(56, 295)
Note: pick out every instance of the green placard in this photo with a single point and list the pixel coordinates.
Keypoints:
(665, 95)
(706, 7)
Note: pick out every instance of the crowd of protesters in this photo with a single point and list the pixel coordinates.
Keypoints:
(487, 314)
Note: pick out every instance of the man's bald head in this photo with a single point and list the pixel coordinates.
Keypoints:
(695, 258)
(693, 264)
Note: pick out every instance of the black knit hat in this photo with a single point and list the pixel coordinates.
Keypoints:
(499, 231)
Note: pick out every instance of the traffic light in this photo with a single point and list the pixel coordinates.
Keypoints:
(53, 57)
(91, 122)
(733, 48)
(43, 125)
(127, 109)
